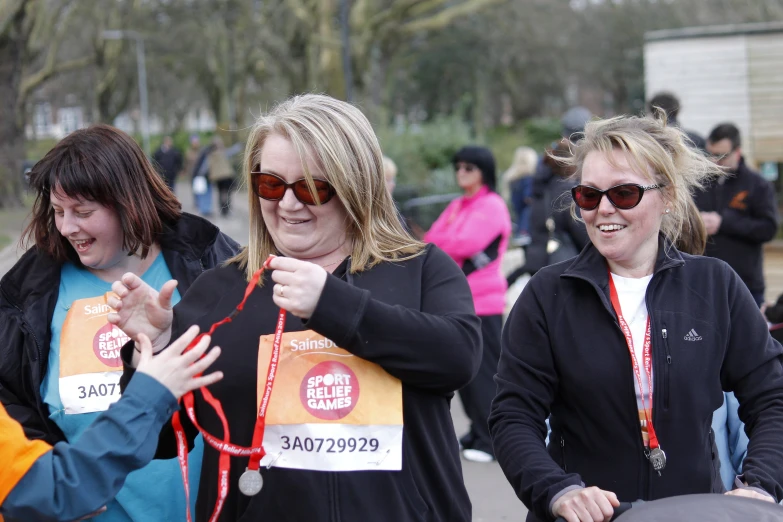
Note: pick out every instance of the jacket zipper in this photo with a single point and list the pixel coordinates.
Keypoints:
(333, 497)
(562, 453)
(665, 335)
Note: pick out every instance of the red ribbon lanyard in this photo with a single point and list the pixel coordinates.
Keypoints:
(647, 351)
(224, 446)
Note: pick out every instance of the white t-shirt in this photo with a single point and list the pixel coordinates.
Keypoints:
(631, 294)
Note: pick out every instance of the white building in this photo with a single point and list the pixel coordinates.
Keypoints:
(731, 73)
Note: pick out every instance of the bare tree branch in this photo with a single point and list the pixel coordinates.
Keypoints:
(445, 17)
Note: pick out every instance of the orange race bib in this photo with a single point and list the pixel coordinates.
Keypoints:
(90, 364)
(330, 410)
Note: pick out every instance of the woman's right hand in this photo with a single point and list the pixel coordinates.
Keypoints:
(142, 310)
(586, 505)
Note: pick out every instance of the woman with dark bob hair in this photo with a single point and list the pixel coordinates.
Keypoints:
(474, 230)
(101, 210)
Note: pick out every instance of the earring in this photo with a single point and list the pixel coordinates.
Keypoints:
(667, 211)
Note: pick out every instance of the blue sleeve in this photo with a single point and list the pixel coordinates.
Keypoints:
(74, 480)
(738, 440)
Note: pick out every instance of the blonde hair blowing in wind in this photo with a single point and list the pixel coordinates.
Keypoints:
(653, 147)
(339, 140)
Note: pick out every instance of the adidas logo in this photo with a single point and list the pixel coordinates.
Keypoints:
(692, 336)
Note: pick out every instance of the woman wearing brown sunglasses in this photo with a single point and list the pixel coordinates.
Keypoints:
(627, 349)
(383, 332)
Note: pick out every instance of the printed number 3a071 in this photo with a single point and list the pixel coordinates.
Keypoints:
(340, 445)
(101, 390)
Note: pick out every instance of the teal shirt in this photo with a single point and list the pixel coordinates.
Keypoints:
(154, 492)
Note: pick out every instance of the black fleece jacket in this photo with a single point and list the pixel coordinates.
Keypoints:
(748, 208)
(564, 354)
(28, 295)
(415, 319)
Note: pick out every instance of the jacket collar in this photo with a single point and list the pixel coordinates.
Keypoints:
(591, 265)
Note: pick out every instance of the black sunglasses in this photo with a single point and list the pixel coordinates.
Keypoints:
(272, 188)
(624, 197)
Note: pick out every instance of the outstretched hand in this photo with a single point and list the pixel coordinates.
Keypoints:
(180, 372)
(139, 309)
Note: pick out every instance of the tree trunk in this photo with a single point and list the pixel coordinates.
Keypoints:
(12, 137)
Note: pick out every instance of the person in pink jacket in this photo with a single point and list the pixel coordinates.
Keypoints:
(474, 230)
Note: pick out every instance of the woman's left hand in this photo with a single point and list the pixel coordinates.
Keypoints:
(299, 285)
(749, 493)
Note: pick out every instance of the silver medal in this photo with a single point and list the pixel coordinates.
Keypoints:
(657, 459)
(250, 483)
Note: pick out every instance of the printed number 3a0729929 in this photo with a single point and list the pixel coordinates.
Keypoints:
(340, 445)
(101, 390)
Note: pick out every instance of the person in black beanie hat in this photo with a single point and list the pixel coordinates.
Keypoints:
(474, 230)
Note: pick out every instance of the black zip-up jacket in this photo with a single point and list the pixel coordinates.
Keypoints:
(564, 354)
(415, 319)
(28, 295)
(747, 204)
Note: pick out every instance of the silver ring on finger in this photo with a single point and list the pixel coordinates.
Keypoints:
(280, 291)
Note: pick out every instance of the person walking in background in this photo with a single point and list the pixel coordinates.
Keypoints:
(474, 230)
(517, 188)
(628, 348)
(191, 157)
(670, 105)
(740, 210)
(202, 185)
(554, 233)
(92, 221)
(221, 171)
(168, 160)
(390, 174)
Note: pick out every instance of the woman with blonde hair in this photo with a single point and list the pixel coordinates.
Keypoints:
(628, 348)
(517, 187)
(380, 333)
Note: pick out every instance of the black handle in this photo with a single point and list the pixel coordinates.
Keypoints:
(619, 510)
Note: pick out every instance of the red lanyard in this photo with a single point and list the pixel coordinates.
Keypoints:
(647, 352)
(225, 447)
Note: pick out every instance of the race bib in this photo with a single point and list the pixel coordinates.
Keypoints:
(330, 410)
(90, 364)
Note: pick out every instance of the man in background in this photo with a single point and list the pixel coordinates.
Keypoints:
(739, 211)
(670, 104)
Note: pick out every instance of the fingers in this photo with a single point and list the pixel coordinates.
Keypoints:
(113, 318)
(205, 362)
(178, 346)
(612, 498)
(282, 277)
(197, 351)
(145, 347)
(166, 293)
(119, 288)
(205, 380)
(603, 509)
(749, 493)
(286, 264)
(586, 505)
(130, 280)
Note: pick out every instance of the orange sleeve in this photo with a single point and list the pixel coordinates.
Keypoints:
(16, 452)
